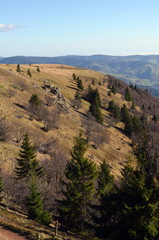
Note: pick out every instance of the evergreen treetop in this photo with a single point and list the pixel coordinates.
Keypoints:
(114, 89)
(80, 84)
(29, 73)
(128, 96)
(114, 109)
(35, 204)
(18, 68)
(38, 69)
(105, 179)
(35, 100)
(79, 187)
(74, 76)
(27, 163)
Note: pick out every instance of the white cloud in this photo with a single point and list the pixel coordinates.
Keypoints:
(7, 27)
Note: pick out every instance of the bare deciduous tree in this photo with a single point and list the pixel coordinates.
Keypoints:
(95, 132)
(17, 132)
(76, 103)
(11, 92)
(51, 119)
(21, 85)
(54, 170)
(4, 130)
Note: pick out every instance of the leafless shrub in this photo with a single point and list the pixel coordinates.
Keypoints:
(76, 103)
(37, 112)
(46, 147)
(21, 85)
(95, 132)
(100, 137)
(54, 170)
(11, 92)
(51, 119)
(4, 130)
(15, 191)
(17, 132)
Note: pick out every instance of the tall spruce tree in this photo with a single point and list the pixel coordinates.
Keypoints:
(127, 119)
(29, 73)
(79, 188)
(105, 179)
(74, 76)
(95, 106)
(105, 207)
(80, 84)
(128, 96)
(26, 162)
(114, 109)
(35, 205)
(114, 89)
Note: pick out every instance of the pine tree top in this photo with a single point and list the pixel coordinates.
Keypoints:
(27, 163)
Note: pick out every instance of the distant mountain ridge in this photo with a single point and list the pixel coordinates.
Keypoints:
(142, 70)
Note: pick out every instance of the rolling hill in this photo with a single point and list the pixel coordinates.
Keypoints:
(142, 70)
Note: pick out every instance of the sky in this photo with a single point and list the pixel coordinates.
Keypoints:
(79, 27)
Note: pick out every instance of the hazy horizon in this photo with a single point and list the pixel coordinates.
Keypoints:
(127, 55)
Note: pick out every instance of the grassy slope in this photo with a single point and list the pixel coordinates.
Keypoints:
(60, 76)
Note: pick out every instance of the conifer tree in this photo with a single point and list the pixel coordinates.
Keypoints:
(138, 213)
(104, 210)
(74, 76)
(27, 163)
(77, 96)
(97, 96)
(29, 73)
(109, 93)
(18, 68)
(38, 69)
(96, 111)
(1, 189)
(79, 188)
(154, 118)
(93, 82)
(127, 120)
(114, 109)
(93, 94)
(34, 100)
(79, 84)
(128, 96)
(114, 89)
(109, 86)
(35, 204)
(95, 101)
(105, 179)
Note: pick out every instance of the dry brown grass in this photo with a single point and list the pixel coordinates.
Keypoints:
(115, 152)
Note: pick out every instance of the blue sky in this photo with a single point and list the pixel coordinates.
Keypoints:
(85, 27)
